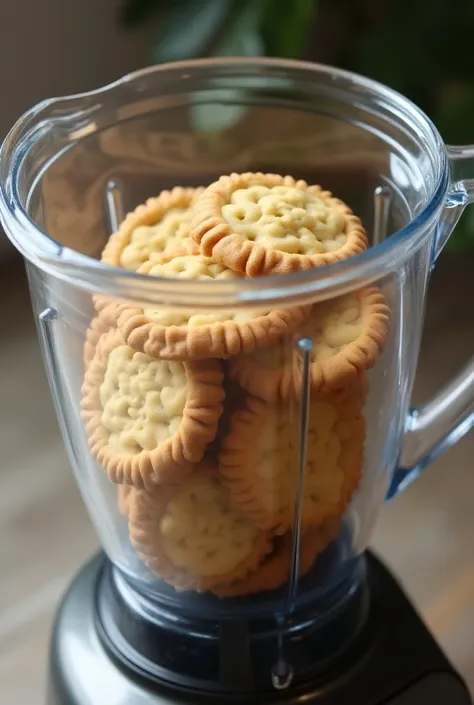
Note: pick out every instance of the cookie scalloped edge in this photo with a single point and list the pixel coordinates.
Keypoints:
(146, 509)
(327, 375)
(148, 213)
(236, 461)
(221, 339)
(216, 238)
(173, 459)
(275, 568)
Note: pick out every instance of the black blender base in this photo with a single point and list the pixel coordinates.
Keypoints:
(403, 666)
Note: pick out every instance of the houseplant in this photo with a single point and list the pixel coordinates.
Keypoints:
(404, 43)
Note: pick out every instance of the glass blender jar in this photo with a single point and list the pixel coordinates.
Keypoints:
(235, 538)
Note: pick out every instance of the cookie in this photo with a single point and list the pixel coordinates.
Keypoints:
(274, 571)
(162, 224)
(259, 224)
(190, 335)
(347, 333)
(259, 457)
(100, 324)
(148, 421)
(192, 536)
(124, 498)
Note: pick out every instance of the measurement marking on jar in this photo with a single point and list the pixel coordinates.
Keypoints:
(382, 202)
(114, 205)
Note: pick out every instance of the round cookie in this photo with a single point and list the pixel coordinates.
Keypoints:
(148, 421)
(259, 457)
(160, 225)
(274, 570)
(193, 537)
(259, 224)
(100, 324)
(184, 335)
(347, 333)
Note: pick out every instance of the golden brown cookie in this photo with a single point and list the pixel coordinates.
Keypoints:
(148, 420)
(259, 458)
(347, 334)
(162, 224)
(258, 224)
(274, 570)
(124, 499)
(103, 322)
(192, 536)
(188, 335)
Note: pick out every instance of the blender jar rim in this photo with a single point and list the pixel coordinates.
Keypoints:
(90, 274)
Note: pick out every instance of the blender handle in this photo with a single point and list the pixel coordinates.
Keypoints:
(449, 415)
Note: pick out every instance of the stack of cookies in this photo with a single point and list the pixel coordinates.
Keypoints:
(196, 415)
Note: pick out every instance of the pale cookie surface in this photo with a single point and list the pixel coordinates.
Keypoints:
(194, 267)
(259, 460)
(148, 420)
(193, 536)
(181, 335)
(171, 234)
(161, 225)
(285, 218)
(100, 324)
(347, 336)
(142, 400)
(274, 571)
(258, 224)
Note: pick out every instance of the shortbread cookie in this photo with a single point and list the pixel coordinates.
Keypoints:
(235, 398)
(103, 322)
(274, 571)
(347, 335)
(149, 420)
(186, 335)
(124, 499)
(101, 302)
(270, 224)
(192, 536)
(259, 458)
(162, 224)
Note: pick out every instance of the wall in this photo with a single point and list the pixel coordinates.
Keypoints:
(55, 47)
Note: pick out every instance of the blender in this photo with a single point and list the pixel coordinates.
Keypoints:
(314, 616)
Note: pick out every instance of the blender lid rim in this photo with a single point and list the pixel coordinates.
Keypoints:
(50, 255)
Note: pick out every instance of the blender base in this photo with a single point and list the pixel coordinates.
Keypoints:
(405, 666)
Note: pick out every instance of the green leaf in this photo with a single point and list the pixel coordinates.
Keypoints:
(462, 238)
(453, 115)
(213, 118)
(188, 27)
(286, 24)
(135, 12)
(383, 55)
(242, 38)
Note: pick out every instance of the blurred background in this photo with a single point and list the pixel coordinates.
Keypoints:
(418, 47)
(54, 47)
